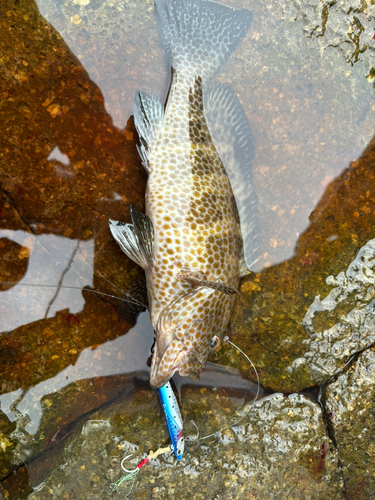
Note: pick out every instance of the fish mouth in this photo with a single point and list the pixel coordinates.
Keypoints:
(163, 368)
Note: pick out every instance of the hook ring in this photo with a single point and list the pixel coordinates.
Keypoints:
(126, 470)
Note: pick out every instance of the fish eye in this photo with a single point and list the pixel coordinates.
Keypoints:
(214, 343)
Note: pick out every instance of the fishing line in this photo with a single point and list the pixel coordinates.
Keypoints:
(136, 302)
(70, 287)
(227, 341)
(133, 473)
(129, 298)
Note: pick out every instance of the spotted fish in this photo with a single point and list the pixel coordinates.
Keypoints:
(189, 242)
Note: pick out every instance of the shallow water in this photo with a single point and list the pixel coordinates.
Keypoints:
(69, 72)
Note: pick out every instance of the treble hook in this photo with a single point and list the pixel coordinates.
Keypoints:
(126, 470)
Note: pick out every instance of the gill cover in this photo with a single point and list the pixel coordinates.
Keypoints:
(183, 333)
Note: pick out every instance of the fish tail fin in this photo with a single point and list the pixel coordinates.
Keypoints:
(200, 35)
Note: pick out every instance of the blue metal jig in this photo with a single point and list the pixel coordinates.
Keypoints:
(174, 420)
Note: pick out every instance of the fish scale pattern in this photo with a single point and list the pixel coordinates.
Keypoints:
(191, 205)
(190, 241)
(198, 37)
(193, 251)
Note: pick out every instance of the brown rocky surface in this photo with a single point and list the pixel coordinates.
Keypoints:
(279, 449)
(65, 169)
(64, 166)
(301, 320)
(45, 353)
(59, 106)
(68, 162)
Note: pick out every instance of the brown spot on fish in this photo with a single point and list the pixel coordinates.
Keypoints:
(189, 198)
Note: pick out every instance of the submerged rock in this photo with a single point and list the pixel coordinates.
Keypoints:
(65, 170)
(300, 321)
(349, 404)
(65, 166)
(347, 26)
(276, 448)
(55, 370)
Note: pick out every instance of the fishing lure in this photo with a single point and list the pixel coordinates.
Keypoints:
(173, 417)
(174, 421)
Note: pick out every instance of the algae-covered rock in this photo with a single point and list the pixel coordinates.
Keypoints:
(49, 379)
(46, 364)
(349, 402)
(65, 168)
(277, 448)
(117, 43)
(345, 25)
(65, 165)
(32, 422)
(300, 321)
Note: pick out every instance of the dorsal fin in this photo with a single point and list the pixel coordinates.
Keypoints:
(148, 116)
(232, 136)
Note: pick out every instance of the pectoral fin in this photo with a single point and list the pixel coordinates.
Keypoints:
(144, 231)
(136, 240)
(124, 234)
(196, 278)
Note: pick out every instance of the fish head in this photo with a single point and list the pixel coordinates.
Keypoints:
(188, 331)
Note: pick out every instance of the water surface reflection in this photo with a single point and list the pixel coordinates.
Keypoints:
(69, 162)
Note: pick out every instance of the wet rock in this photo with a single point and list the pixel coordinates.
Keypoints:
(40, 350)
(278, 449)
(118, 44)
(66, 164)
(41, 419)
(349, 405)
(300, 321)
(16, 486)
(13, 264)
(66, 168)
(14, 257)
(38, 359)
(347, 26)
(311, 113)
(9, 217)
